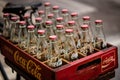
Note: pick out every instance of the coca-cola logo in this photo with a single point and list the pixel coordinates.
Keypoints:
(108, 61)
(30, 66)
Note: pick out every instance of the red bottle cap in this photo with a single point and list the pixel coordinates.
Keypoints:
(48, 22)
(41, 31)
(55, 7)
(41, 12)
(59, 18)
(50, 15)
(84, 26)
(71, 22)
(69, 30)
(22, 22)
(31, 27)
(98, 21)
(74, 14)
(86, 17)
(59, 26)
(38, 19)
(53, 37)
(15, 18)
(64, 10)
(47, 4)
(26, 16)
(6, 14)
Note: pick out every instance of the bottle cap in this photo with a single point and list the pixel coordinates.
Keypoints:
(50, 15)
(55, 7)
(53, 37)
(26, 16)
(98, 21)
(41, 12)
(64, 10)
(38, 19)
(48, 22)
(41, 31)
(31, 27)
(6, 14)
(69, 30)
(47, 4)
(15, 18)
(59, 19)
(86, 17)
(84, 26)
(71, 22)
(59, 26)
(74, 14)
(22, 22)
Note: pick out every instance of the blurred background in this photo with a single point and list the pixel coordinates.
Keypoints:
(107, 10)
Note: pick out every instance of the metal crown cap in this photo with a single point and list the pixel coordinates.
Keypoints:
(59, 26)
(31, 27)
(47, 4)
(6, 14)
(64, 10)
(59, 19)
(26, 16)
(48, 22)
(55, 7)
(69, 30)
(38, 19)
(53, 37)
(74, 14)
(41, 12)
(98, 21)
(15, 18)
(50, 15)
(71, 22)
(22, 22)
(84, 26)
(41, 31)
(86, 17)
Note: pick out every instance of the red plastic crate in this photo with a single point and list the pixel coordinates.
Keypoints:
(86, 68)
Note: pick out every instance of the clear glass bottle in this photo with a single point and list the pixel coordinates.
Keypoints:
(75, 17)
(65, 15)
(86, 21)
(60, 31)
(48, 9)
(22, 35)
(86, 40)
(70, 47)
(6, 25)
(53, 55)
(42, 44)
(14, 30)
(100, 36)
(38, 24)
(56, 11)
(31, 40)
(41, 14)
(49, 29)
(27, 19)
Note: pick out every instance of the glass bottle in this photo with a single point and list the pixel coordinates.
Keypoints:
(27, 19)
(56, 11)
(6, 25)
(65, 15)
(49, 29)
(42, 44)
(14, 30)
(86, 40)
(60, 31)
(100, 36)
(31, 40)
(22, 35)
(70, 47)
(53, 55)
(48, 9)
(86, 21)
(75, 17)
(38, 24)
(41, 14)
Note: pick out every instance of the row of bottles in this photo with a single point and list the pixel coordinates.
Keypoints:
(55, 35)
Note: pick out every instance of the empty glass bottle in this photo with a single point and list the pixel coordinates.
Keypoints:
(31, 40)
(100, 36)
(48, 9)
(53, 54)
(70, 47)
(14, 30)
(6, 25)
(59, 21)
(27, 19)
(56, 11)
(22, 35)
(42, 44)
